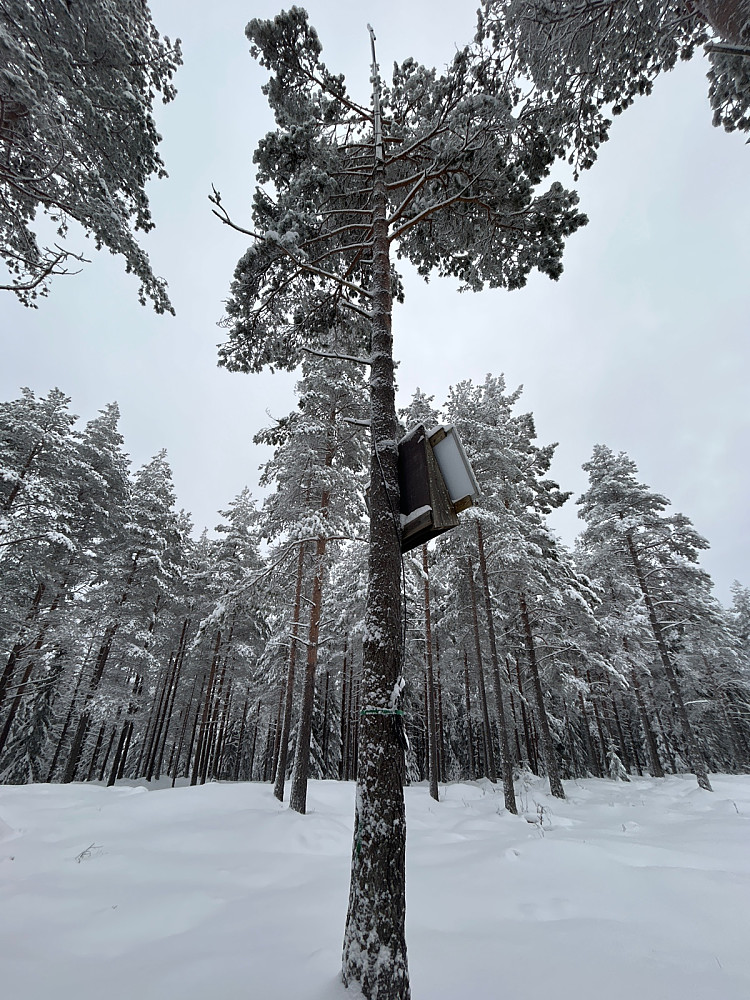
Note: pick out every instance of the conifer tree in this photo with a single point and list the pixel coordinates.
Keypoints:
(655, 551)
(449, 174)
(77, 87)
(595, 58)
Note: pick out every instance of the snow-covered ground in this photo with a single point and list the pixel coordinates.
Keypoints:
(635, 891)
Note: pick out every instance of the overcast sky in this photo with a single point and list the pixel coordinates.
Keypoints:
(642, 344)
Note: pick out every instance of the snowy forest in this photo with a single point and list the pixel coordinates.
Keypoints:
(134, 647)
(361, 624)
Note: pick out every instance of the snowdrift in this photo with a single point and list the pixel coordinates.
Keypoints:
(632, 891)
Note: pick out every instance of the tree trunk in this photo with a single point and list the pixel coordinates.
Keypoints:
(255, 741)
(624, 753)
(507, 764)
(298, 794)
(20, 643)
(324, 734)
(241, 737)
(469, 726)
(118, 755)
(160, 740)
(374, 952)
(548, 750)
(344, 720)
(286, 725)
(651, 746)
(442, 754)
(694, 754)
(108, 751)
(23, 473)
(164, 707)
(489, 754)
(174, 763)
(430, 684)
(66, 726)
(95, 752)
(201, 749)
(591, 754)
(531, 758)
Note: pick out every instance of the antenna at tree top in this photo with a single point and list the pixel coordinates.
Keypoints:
(379, 153)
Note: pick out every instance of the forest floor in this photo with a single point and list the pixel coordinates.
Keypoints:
(625, 891)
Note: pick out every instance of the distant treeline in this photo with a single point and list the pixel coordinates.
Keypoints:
(129, 648)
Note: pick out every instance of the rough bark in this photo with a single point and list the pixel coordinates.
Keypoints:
(374, 953)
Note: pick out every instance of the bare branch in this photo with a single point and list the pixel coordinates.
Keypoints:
(337, 357)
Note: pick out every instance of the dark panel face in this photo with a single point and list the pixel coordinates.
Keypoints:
(412, 472)
(422, 489)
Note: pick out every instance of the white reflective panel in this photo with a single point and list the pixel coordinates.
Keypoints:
(455, 467)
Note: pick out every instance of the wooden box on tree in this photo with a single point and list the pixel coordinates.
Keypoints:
(436, 483)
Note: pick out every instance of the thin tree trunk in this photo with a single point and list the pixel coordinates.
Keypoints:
(344, 720)
(531, 755)
(627, 763)
(164, 706)
(489, 754)
(694, 755)
(505, 757)
(599, 725)
(174, 762)
(203, 727)
(442, 753)
(213, 725)
(194, 730)
(324, 736)
(20, 643)
(66, 725)
(100, 663)
(351, 726)
(255, 741)
(241, 737)
(146, 755)
(162, 734)
(591, 754)
(432, 754)
(286, 726)
(469, 726)
(651, 745)
(548, 750)
(23, 473)
(298, 794)
(118, 754)
(95, 752)
(103, 768)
